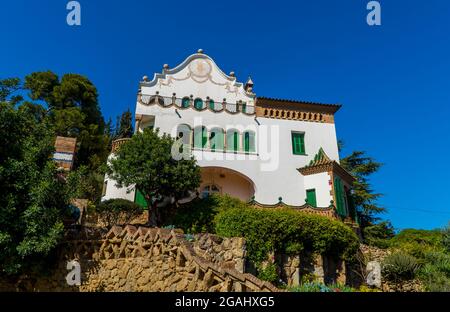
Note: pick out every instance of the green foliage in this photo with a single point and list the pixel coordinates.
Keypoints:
(74, 112)
(198, 215)
(268, 273)
(86, 183)
(435, 274)
(399, 266)
(363, 196)
(379, 234)
(417, 242)
(446, 238)
(118, 211)
(283, 230)
(34, 199)
(124, 128)
(146, 161)
(319, 287)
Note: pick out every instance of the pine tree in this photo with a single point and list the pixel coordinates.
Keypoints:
(363, 195)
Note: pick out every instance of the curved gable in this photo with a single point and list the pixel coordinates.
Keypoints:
(200, 77)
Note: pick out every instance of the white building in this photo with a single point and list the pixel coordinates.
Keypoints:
(269, 151)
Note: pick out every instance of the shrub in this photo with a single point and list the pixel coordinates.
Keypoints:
(286, 231)
(268, 273)
(378, 235)
(435, 274)
(399, 266)
(117, 211)
(418, 242)
(198, 215)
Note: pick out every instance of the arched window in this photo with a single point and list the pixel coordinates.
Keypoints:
(156, 99)
(211, 104)
(216, 139)
(249, 142)
(184, 132)
(198, 104)
(185, 102)
(210, 189)
(233, 140)
(200, 137)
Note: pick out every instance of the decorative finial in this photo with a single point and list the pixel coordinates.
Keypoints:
(232, 73)
(200, 51)
(145, 78)
(249, 85)
(166, 66)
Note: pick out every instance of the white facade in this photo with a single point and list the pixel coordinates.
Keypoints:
(266, 173)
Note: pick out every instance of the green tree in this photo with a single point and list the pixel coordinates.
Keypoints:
(34, 198)
(363, 196)
(124, 128)
(147, 163)
(74, 111)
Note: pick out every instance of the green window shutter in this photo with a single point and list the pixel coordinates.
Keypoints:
(311, 197)
(211, 104)
(244, 107)
(204, 137)
(185, 102)
(198, 138)
(339, 194)
(212, 141)
(298, 143)
(139, 199)
(246, 142)
(302, 143)
(235, 141)
(216, 140)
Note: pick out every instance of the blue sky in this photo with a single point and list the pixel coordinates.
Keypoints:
(392, 80)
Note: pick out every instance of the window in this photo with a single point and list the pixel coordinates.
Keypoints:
(232, 140)
(210, 189)
(211, 104)
(200, 137)
(216, 139)
(244, 107)
(184, 133)
(298, 143)
(185, 102)
(198, 104)
(311, 197)
(249, 142)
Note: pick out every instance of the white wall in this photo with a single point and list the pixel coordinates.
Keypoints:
(112, 191)
(319, 182)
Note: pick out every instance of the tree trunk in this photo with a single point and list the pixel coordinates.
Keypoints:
(152, 215)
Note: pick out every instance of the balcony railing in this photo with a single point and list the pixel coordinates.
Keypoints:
(197, 104)
(117, 143)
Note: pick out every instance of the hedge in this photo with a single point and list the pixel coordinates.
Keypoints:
(286, 231)
(198, 215)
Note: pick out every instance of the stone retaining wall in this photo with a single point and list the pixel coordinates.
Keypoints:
(148, 259)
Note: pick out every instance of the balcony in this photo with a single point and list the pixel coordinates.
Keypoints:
(116, 144)
(197, 104)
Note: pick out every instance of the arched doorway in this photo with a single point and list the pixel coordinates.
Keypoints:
(226, 181)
